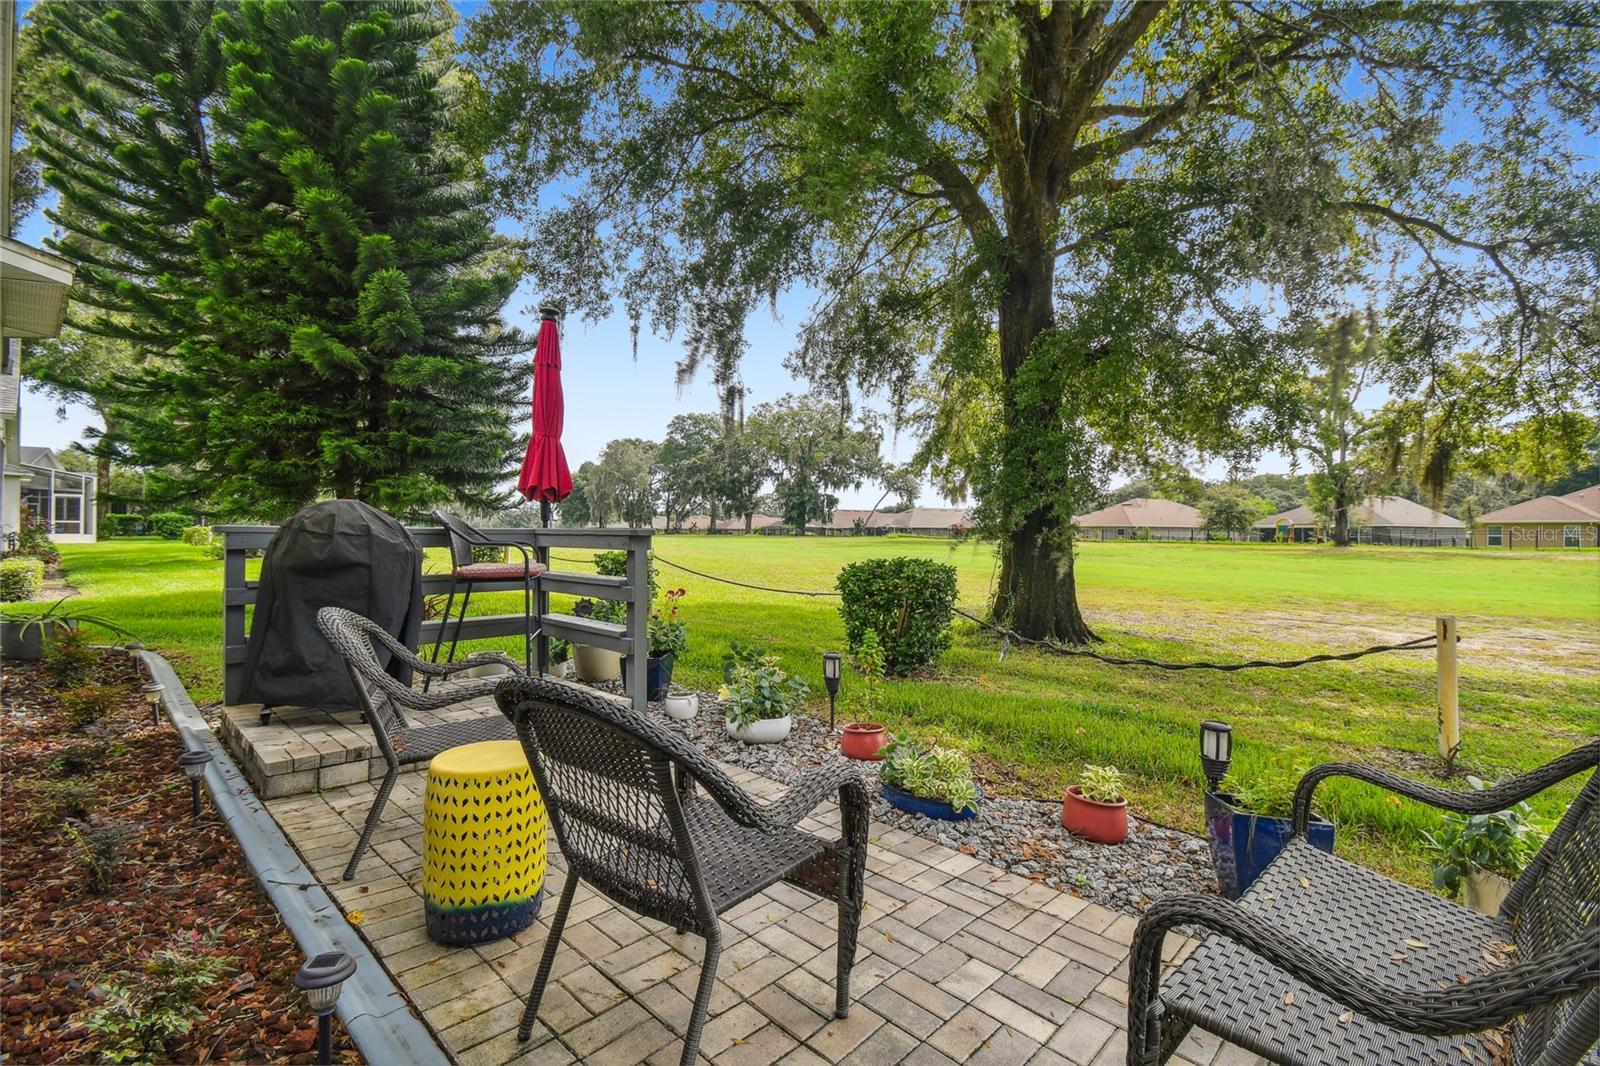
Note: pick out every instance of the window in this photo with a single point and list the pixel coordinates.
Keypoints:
(1496, 536)
(1571, 537)
(69, 514)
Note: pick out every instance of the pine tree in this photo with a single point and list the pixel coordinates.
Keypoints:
(336, 294)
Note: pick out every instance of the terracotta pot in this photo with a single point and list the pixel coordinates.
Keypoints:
(864, 740)
(1105, 823)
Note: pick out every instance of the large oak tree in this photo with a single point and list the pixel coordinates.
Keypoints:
(1068, 237)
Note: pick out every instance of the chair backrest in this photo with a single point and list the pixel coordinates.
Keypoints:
(462, 538)
(1555, 900)
(606, 777)
(357, 640)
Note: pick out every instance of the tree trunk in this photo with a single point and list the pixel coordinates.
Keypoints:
(712, 526)
(1341, 516)
(1037, 594)
(749, 520)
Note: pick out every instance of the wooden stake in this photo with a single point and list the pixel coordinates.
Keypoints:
(1449, 690)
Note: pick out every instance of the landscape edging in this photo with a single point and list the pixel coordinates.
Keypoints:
(374, 1011)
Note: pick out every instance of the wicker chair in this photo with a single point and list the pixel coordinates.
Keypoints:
(385, 701)
(620, 793)
(1323, 962)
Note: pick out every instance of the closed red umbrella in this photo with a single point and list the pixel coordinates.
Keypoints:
(545, 476)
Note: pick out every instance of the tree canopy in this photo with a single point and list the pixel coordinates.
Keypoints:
(262, 199)
(1073, 237)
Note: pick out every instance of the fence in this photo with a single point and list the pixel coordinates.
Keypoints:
(629, 637)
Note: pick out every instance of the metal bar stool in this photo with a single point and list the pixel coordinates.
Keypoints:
(465, 572)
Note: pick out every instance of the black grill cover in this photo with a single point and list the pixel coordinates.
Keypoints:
(339, 553)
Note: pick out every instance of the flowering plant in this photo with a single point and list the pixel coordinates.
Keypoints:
(668, 636)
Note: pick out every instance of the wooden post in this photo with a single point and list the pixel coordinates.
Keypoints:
(1449, 690)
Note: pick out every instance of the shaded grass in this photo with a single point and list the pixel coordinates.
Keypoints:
(1036, 718)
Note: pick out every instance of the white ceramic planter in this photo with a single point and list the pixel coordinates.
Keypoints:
(682, 708)
(1486, 890)
(766, 731)
(596, 664)
(486, 670)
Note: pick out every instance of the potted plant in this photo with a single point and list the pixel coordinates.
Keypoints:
(758, 703)
(866, 739)
(1247, 825)
(668, 639)
(740, 654)
(24, 636)
(1483, 853)
(1095, 807)
(932, 781)
(681, 706)
(598, 664)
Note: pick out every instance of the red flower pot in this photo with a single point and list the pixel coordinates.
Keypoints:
(863, 740)
(1106, 823)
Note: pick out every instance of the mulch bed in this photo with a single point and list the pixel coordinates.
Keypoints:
(181, 886)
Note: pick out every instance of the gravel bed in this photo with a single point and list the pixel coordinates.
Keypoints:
(1021, 835)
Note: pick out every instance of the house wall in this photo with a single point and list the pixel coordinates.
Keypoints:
(1134, 532)
(1533, 535)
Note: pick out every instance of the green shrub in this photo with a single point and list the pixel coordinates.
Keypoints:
(91, 703)
(21, 578)
(145, 1011)
(53, 802)
(34, 539)
(908, 602)
(615, 564)
(931, 772)
(757, 693)
(169, 525)
(121, 525)
(488, 553)
(70, 660)
(100, 850)
(199, 535)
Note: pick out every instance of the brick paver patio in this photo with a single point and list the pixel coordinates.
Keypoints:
(960, 962)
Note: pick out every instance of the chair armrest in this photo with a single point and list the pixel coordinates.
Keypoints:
(1486, 801)
(1473, 1004)
(803, 796)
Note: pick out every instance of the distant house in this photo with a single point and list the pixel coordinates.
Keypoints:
(61, 499)
(922, 521)
(1142, 519)
(700, 523)
(1375, 520)
(1570, 521)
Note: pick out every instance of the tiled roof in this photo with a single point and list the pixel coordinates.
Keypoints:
(1395, 511)
(1156, 514)
(1548, 509)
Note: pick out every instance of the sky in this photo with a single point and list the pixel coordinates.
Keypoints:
(610, 391)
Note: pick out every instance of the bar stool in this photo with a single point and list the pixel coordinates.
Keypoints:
(465, 572)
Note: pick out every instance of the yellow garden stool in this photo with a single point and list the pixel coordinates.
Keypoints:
(483, 843)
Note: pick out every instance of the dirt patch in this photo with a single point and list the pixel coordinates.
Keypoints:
(1497, 643)
(167, 902)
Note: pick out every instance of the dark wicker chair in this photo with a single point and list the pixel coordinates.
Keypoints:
(1324, 962)
(620, 791)
(385, 701)
(466, 572)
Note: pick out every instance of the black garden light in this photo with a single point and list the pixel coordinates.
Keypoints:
(320, 978)
(1216, 751)
(831, 663)
(152, 692)
(194, 767)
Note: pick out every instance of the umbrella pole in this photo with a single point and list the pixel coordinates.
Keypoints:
(542, 598)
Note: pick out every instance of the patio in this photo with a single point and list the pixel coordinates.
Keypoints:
(959, 961)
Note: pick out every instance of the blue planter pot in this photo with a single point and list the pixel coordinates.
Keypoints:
(1244, 844)
(905, 801)
(658, 676)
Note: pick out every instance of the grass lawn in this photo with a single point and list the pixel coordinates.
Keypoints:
(1530, 625)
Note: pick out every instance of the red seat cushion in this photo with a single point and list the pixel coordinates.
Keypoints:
(498, 571)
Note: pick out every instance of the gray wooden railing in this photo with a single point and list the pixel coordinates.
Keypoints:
(629, 637)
